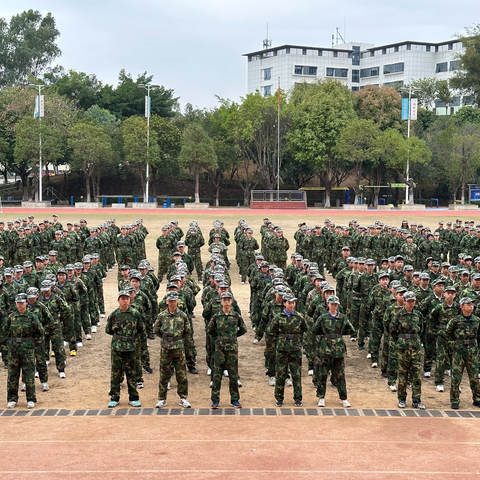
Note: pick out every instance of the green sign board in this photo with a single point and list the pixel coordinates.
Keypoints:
(398, 185)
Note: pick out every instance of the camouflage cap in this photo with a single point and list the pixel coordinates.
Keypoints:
(69, 266)
(395, 284)
(78, 265)
(464, 272)
(401, 289)
(333, 299)
(409, 296)
(424, 276)
(123, 293)
(20, 298)
(18, 268)
(476, 276)
(465, 300)
(171, 285)
(52, 253)
(171, 296)
(407, 267)
(450, 288)
(289, 297)
(370, 261)
(86, 259)
(32, 292)
(61, 270)
(383, 275)
(27, 263)
(438, 281)
(223, 284)
(453, 269)
(45, 286)
(226, 295)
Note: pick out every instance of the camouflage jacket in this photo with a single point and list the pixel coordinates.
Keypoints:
(125, 327)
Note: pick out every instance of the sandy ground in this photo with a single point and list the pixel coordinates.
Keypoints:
(88, 374)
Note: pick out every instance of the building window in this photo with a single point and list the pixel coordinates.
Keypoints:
(302, 70)
(327, 53)
(457, 46)
(396, 84)
(442, 48)
(369, 72)
(341, 54)
(282, 51)
(402, 48)
(377, 53)
(253, 58)
(420, 48)
(337, 72)
(267, 74)
(296, 51)
(366, 55)
(356, 55)
(441, 67)
(355, 76)
(390, 50)
(268, 54)
(312, 52)
(393, 68)
(355, 89)
(267, 90)
(454, 65)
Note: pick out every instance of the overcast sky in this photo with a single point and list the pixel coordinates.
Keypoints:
(196, 46)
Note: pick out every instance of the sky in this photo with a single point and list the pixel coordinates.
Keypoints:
(195, 47)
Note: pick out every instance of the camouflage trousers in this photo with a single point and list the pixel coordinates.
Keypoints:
(409, 365)
(270, 354)
(288, 361)
(85, 322)
(93, 311)
(123, 363)
(210, 351)
(101, 299)
(40, 362)
(392, 364)
(197, 262)
(4, 352)
(376, 338)
(173, 359)
(327, 363)
(124, 258)
(21, 359)
(444, 358)
(354, 317)
(54, 339)
(225, 360)
(163, 264)
(464, 357)
(244, 263)
(364, 325)
(430, 350)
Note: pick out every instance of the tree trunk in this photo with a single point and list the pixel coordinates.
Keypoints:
(24, 188)
(37, 187)
(464, 178)
(246, 197)
(197, 187)
(87, 187)
(217, 195)
(376, 194)
(153, 182)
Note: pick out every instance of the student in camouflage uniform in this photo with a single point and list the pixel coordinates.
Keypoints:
(465, 332)
(125, 325)
(246, 252)
(439, 318)
(194, 241)
(166, 246)
(279, 247)
(23, 329)
(226, 326)
(173, 327)
(406, 328)
(288, 327)
(331, 327)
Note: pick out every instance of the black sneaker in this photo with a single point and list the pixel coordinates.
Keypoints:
(360, 347)
(151, 337)
(298, 403)
(418, 405)
(455, 406)
(279, 403)
(147, 369)
(401, 404)
(384, 374)
(215, 405)
(236, 404)
(193, 370)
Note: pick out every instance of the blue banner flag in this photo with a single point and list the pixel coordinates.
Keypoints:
(404, 108)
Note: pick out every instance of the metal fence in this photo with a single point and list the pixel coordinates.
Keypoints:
(278, 196)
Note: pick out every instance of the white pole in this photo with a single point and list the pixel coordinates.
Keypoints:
(278, 144)
(148, 142)
(408, 136)
(40, 179)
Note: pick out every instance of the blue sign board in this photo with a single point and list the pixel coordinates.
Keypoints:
(404, 108)
(474, 193)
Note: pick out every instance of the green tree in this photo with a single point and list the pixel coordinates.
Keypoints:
(467, 77)
(428, 92)
(320, 112)
(27, 46)
(134, 133)
(445, 95)
(359, 144)
(126, 99)
(469, 115)
(197, 154)
(91, 146)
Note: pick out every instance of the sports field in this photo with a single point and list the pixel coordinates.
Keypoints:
(264, 442)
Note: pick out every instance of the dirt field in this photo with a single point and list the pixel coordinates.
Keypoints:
(88, 374)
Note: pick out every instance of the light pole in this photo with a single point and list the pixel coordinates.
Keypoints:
(40, 114)
(410, 89)
(147, 114)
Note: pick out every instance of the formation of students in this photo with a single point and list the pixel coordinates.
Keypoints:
(405, 290)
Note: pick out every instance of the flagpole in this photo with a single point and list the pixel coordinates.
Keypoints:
(278, 144)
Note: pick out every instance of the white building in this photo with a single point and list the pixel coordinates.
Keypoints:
(354, 64)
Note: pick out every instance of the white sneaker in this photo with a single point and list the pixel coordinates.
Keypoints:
(99, 324)
(94, 329)
(211, 384)
(369, 355)
(102, 315)
(427, 375)
(225, 373)
(36, 375)
(374, 365)
(47, 362)
(255, 340)
(62, 375)
(272, 381)
(161, 404)
(184, 403)
(242, 283)
(393, 388)
(288, 383)
(88, 336)
(449, 373)
(139, 384)
(345, 403)
(353, 339)
(79, 344)
(30, 404)
(65, 344)
(209, 371)
(168, 386)
(310, 373)
(440, 388)
(321, 402)
(11, 404)
(239, 383)
(23, 388)
(45, 387)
